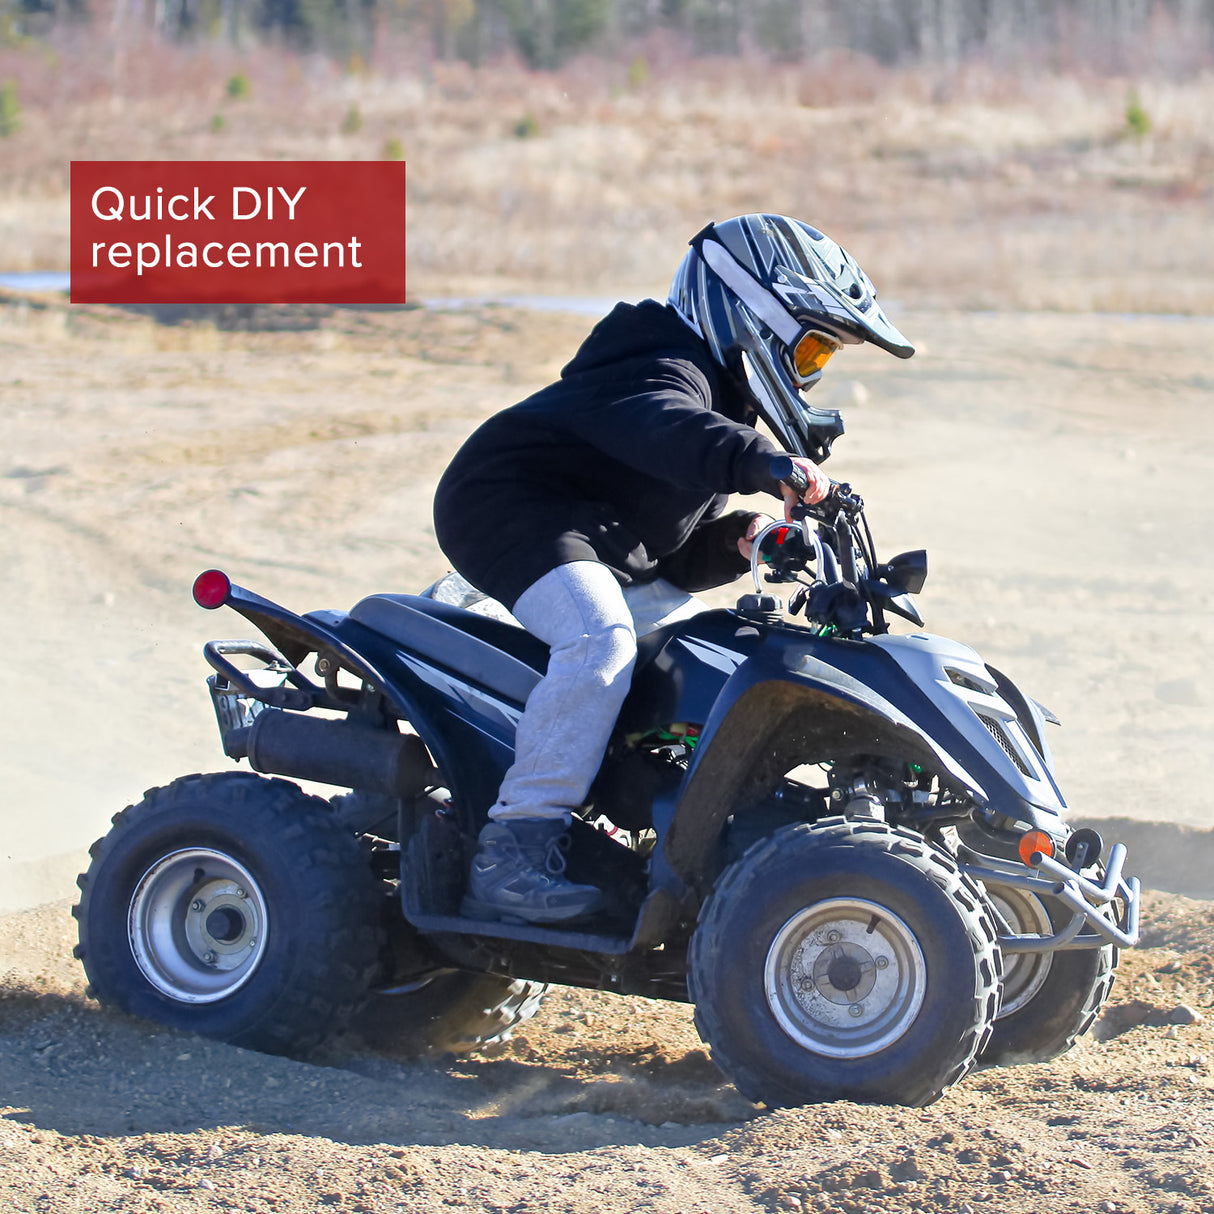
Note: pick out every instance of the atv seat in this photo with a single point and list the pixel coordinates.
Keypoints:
(501, 657)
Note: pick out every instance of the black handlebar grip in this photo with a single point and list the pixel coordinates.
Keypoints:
(783, 468)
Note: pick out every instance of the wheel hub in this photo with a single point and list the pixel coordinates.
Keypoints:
(197, 925)
(845, 977)
(223, 928)
(845, 972)
(225, 924)
(1024, 974)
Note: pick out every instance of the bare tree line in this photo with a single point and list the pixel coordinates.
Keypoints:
(1103, 35)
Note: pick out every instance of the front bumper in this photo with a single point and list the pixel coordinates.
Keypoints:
(1102, 913)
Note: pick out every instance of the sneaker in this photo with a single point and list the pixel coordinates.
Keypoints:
(518, 876)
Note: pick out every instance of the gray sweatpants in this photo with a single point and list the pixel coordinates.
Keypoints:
(588, 622)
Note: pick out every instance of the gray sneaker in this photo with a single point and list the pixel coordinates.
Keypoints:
(518, 876)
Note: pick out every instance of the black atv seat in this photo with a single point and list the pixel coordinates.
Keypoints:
(500, 657)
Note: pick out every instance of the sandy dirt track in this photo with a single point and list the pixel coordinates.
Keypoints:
(1058, 469)
(598, 1103)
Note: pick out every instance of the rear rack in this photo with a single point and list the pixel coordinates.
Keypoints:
(304, 695)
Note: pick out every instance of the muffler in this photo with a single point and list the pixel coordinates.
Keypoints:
(334, 752)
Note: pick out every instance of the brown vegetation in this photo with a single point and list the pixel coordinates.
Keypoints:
(978, 189)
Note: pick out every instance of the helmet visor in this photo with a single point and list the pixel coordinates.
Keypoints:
(812, 351)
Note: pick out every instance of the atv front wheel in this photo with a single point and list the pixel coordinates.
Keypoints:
(1049, 999)
(844, 960)
(233, 906)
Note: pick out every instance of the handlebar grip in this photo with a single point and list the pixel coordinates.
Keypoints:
(783, 468)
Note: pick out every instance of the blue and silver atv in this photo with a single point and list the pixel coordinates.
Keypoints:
(846, 848)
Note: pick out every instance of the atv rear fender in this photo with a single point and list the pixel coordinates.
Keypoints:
(377, 662)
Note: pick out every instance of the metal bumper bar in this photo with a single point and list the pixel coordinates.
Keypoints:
(1096, 919)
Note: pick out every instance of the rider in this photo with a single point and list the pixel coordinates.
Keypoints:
(611, 484)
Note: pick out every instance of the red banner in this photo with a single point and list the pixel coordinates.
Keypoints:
(147, 231)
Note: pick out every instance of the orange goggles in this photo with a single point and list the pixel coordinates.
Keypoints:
(812, 352)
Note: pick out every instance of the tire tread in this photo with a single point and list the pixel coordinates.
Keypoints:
(849, 835)
(329, 870)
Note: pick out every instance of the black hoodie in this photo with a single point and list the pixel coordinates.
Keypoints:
(628, 459)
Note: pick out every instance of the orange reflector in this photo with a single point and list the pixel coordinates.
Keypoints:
(211, 589)
(813, 352)
(1035, 841)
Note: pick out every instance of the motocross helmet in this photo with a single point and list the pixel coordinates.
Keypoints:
(775, 298)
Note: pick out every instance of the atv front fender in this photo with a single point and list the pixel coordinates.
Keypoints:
(767, 720)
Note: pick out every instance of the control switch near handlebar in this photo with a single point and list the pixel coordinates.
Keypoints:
(785, 469)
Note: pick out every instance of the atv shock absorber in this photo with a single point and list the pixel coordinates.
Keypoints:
(859, 799)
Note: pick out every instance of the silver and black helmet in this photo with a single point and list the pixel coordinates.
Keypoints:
(779, 297)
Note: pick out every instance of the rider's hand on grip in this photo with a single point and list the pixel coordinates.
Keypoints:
(756, 524)
(801, 482)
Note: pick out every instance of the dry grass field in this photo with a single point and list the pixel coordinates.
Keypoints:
(981, 191)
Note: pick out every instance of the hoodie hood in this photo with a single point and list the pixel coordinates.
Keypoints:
(631, 331)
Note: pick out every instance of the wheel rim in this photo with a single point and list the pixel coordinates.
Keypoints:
(845, 977)
(1024, 974)
(197, 925)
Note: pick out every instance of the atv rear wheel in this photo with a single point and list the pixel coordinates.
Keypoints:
(420, 1006)
(455, 1012)
(233, 906)
(1049, 999)
(844, 960)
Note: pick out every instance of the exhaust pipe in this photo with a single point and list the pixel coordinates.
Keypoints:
(333, 752)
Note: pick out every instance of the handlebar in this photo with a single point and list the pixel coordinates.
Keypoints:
(849, 590)
(840, 498)
(785, 468)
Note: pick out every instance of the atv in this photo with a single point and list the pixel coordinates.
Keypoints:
(846, 848)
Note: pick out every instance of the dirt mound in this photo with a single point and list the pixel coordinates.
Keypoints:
(1164, 855)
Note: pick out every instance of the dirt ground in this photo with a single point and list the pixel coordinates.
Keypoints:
(600, 1102)
(1058, 469)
